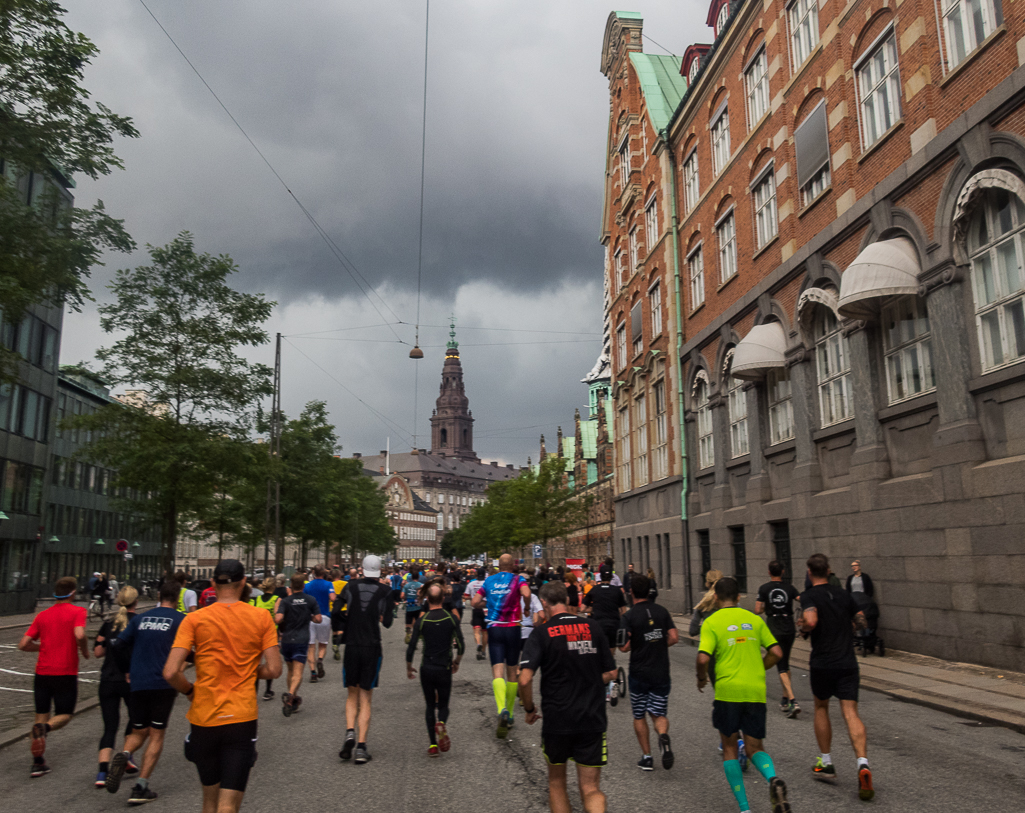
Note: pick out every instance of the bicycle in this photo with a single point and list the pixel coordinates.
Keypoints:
(95, 609)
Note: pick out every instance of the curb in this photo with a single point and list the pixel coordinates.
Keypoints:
(11, 737)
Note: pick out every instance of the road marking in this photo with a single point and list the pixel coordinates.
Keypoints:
(5, 689)
(32, 675)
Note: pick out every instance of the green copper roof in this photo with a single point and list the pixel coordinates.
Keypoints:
(589, 439)
(629, 15)
(610, 416)
(661, 84)
(569, 451)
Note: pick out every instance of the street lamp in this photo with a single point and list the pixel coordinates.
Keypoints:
(3, 516)
(99, 542)
(136, 545)
(54, 539)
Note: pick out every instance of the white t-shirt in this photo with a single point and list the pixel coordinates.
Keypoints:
(527, 624)
(857, 584)
(190, 600)
(472, 588)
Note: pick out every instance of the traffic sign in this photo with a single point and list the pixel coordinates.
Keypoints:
(128, 557)
(122, 545)
(537, 551)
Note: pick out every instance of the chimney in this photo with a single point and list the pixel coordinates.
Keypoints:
(508, 465)
(384, 452)
(356, 455)
(494, 463)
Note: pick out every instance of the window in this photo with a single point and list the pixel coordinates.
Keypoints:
(633, 250)
(803, 16)
(706, 439)
(691, 190)
(781, 542)
(637, 328)
(756, 78)
(655, 308)
(765, 207)
(651, 224)
(721, 140)
(705, 548)
(727, 234)
(908, 349)
(624, 163)
(739, 557)
(617, 271)
(621, 345)
(641, 429)
(624, 450)
(966, 24)
(692, 74)
(736, 400)
(781, 409)
(879, 90)
(996, 250)
(834, 369)
(722, 18)
(811, 142)
(661, 457)
(696, 269)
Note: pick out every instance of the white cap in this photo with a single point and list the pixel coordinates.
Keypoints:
(371, 566)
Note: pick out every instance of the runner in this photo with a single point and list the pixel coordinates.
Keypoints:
(439, 629)
(266, 600)
(148, 638)
(367, 605)
(320, 633)
(574, 659)
(295, 615)
(506, 594)
(395, 581)
(58, 635)
(207, 597)
(829, 616)
(735, 638)
(114, 688)
(477, 620)
(187, 599)
(411, 590)
(606, 604)
(230, 639)
(649, 631)
(776, 601)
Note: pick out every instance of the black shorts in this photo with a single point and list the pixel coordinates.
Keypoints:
(411, 616)
(589, 750)
(60, 690)
(839, 683)
(504, 645)
(611, 629)
(151, 708)
(223, 754)
(786, 643)
(729, 718)
(361, 667)
(477, 619)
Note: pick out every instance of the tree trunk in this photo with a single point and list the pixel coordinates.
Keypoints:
(169, 535)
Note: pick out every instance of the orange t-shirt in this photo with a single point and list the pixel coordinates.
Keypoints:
(229, 640)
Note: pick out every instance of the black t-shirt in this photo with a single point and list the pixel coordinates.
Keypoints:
(832, 640)
(437, 628)
(298, 609)
(572, 653)
(647, 628)
(574, 595)
(605, 601)
(281, 592)
(110, 672)
(458, 588)
(368, 604)
(778, 600)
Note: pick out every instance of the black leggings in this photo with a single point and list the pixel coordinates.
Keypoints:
(112, 694)
(436, 681)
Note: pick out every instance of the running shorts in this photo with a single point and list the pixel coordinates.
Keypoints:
(590, 750)
(610, 628)
(729, 718)
(411, 616)
(839, 683)
(320, 633)
(294, 652)
(361, 666)
(786, 643)
(223, 754)
(648, 698)
(477, 618)
(151, 708)
(60, 690)
(504, 645)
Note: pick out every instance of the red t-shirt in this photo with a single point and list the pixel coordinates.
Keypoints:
(209, 597)
(54, 628)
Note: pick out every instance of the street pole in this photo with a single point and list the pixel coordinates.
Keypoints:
(277, 448)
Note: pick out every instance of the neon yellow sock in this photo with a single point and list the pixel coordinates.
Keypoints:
(510, 696)
(498, 687)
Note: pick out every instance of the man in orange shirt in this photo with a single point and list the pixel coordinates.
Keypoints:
(235, 645)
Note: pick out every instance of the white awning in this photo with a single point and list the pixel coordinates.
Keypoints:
(885, 269)
(814, 296)
(977, 184)
(759, 351)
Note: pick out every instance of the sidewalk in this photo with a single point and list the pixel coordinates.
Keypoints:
(988, 696)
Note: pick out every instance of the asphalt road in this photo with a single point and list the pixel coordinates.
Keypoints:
(922, 760)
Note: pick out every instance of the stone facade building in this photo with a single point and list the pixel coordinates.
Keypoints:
(413, 520)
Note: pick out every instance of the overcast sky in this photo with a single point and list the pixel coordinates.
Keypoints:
(332, 93)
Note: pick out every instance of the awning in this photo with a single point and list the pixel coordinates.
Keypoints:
(759, 351)
(977, 184)
(885, 269)
(814, 296)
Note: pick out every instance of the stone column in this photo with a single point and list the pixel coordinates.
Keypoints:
(807, 474)
(721, 430)
(870, 460)
(758, 486)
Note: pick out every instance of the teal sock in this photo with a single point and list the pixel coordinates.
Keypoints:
(142, 783)
(763, 762)
(736, 779)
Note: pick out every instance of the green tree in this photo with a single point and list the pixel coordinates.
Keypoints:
(49, 131)
(180, 327)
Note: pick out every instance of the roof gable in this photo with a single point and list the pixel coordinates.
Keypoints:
(661, 84)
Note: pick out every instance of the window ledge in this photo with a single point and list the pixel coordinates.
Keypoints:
(834, 429)
(787, 445)
(735, 275)
(802, 212)
(881, 140)
(1008, 374)
(739, 460)
(802, 67)
(955, 72)
(694, 312)
(908, 406)
(767, 245)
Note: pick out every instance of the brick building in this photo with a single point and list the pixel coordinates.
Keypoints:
(413, 520)
(851, 218)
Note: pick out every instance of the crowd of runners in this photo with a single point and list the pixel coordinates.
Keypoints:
(224, 648)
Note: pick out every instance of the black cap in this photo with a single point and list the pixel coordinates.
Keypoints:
(605, 573)
(228, 571)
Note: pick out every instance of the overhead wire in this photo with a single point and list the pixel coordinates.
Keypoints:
(420, 248)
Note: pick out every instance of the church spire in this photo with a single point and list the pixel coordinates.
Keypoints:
(452, 422)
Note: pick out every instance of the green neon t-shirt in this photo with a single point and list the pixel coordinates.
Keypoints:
(735, 637)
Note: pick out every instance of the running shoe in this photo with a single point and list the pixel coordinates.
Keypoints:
(268, 695)
(444, 742)
(823, 772)
(480, 651)
(409, 637)
(141, 795)
(337, 652)
(667, 751)
(115, 771)
(742, 755)
(784, 704)
(38, 739)
(286, 704)
(350, 743)
(313, 677)
(131, 769)
(613, 694)
(793, 710)
(362, 756)
(296, 703)
(39, 769)
(503, 725)
(433, 751)
(101, 780)
(320, 670)
(778, 795)
(865, 790)
(646, 763)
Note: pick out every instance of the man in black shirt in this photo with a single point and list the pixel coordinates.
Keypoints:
(829, 615)
(648, 632)
(776, 601)
(606, 604)
(439, 628)
(574, 658)
(368, 604)
(295, 612)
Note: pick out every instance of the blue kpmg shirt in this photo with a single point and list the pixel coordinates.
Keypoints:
(151, 636)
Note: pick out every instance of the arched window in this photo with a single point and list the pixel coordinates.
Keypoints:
(706, 439)
(736, 400)
(781, 410)
(995, 248)
(444, 438)
(721, 19)
(833, 365)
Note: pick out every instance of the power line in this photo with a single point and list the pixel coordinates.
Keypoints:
(435, 346)
(660, 46)
(445, 327)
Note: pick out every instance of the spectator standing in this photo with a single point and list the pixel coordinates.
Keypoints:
(859, 581)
